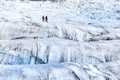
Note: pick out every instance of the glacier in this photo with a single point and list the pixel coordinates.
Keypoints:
(79, 42)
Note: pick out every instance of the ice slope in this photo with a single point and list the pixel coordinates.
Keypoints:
(80, 21)
(67, 71)
(79, 42)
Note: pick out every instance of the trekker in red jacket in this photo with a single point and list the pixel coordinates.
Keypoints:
(46, 18)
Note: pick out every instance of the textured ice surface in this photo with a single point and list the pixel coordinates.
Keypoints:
(79, 42)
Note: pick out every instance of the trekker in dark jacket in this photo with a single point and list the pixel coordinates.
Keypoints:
(43, 18)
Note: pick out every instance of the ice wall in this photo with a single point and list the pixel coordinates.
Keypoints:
(43, 52)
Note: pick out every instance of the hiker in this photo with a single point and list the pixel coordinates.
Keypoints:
(43, 18)
(46, 18)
